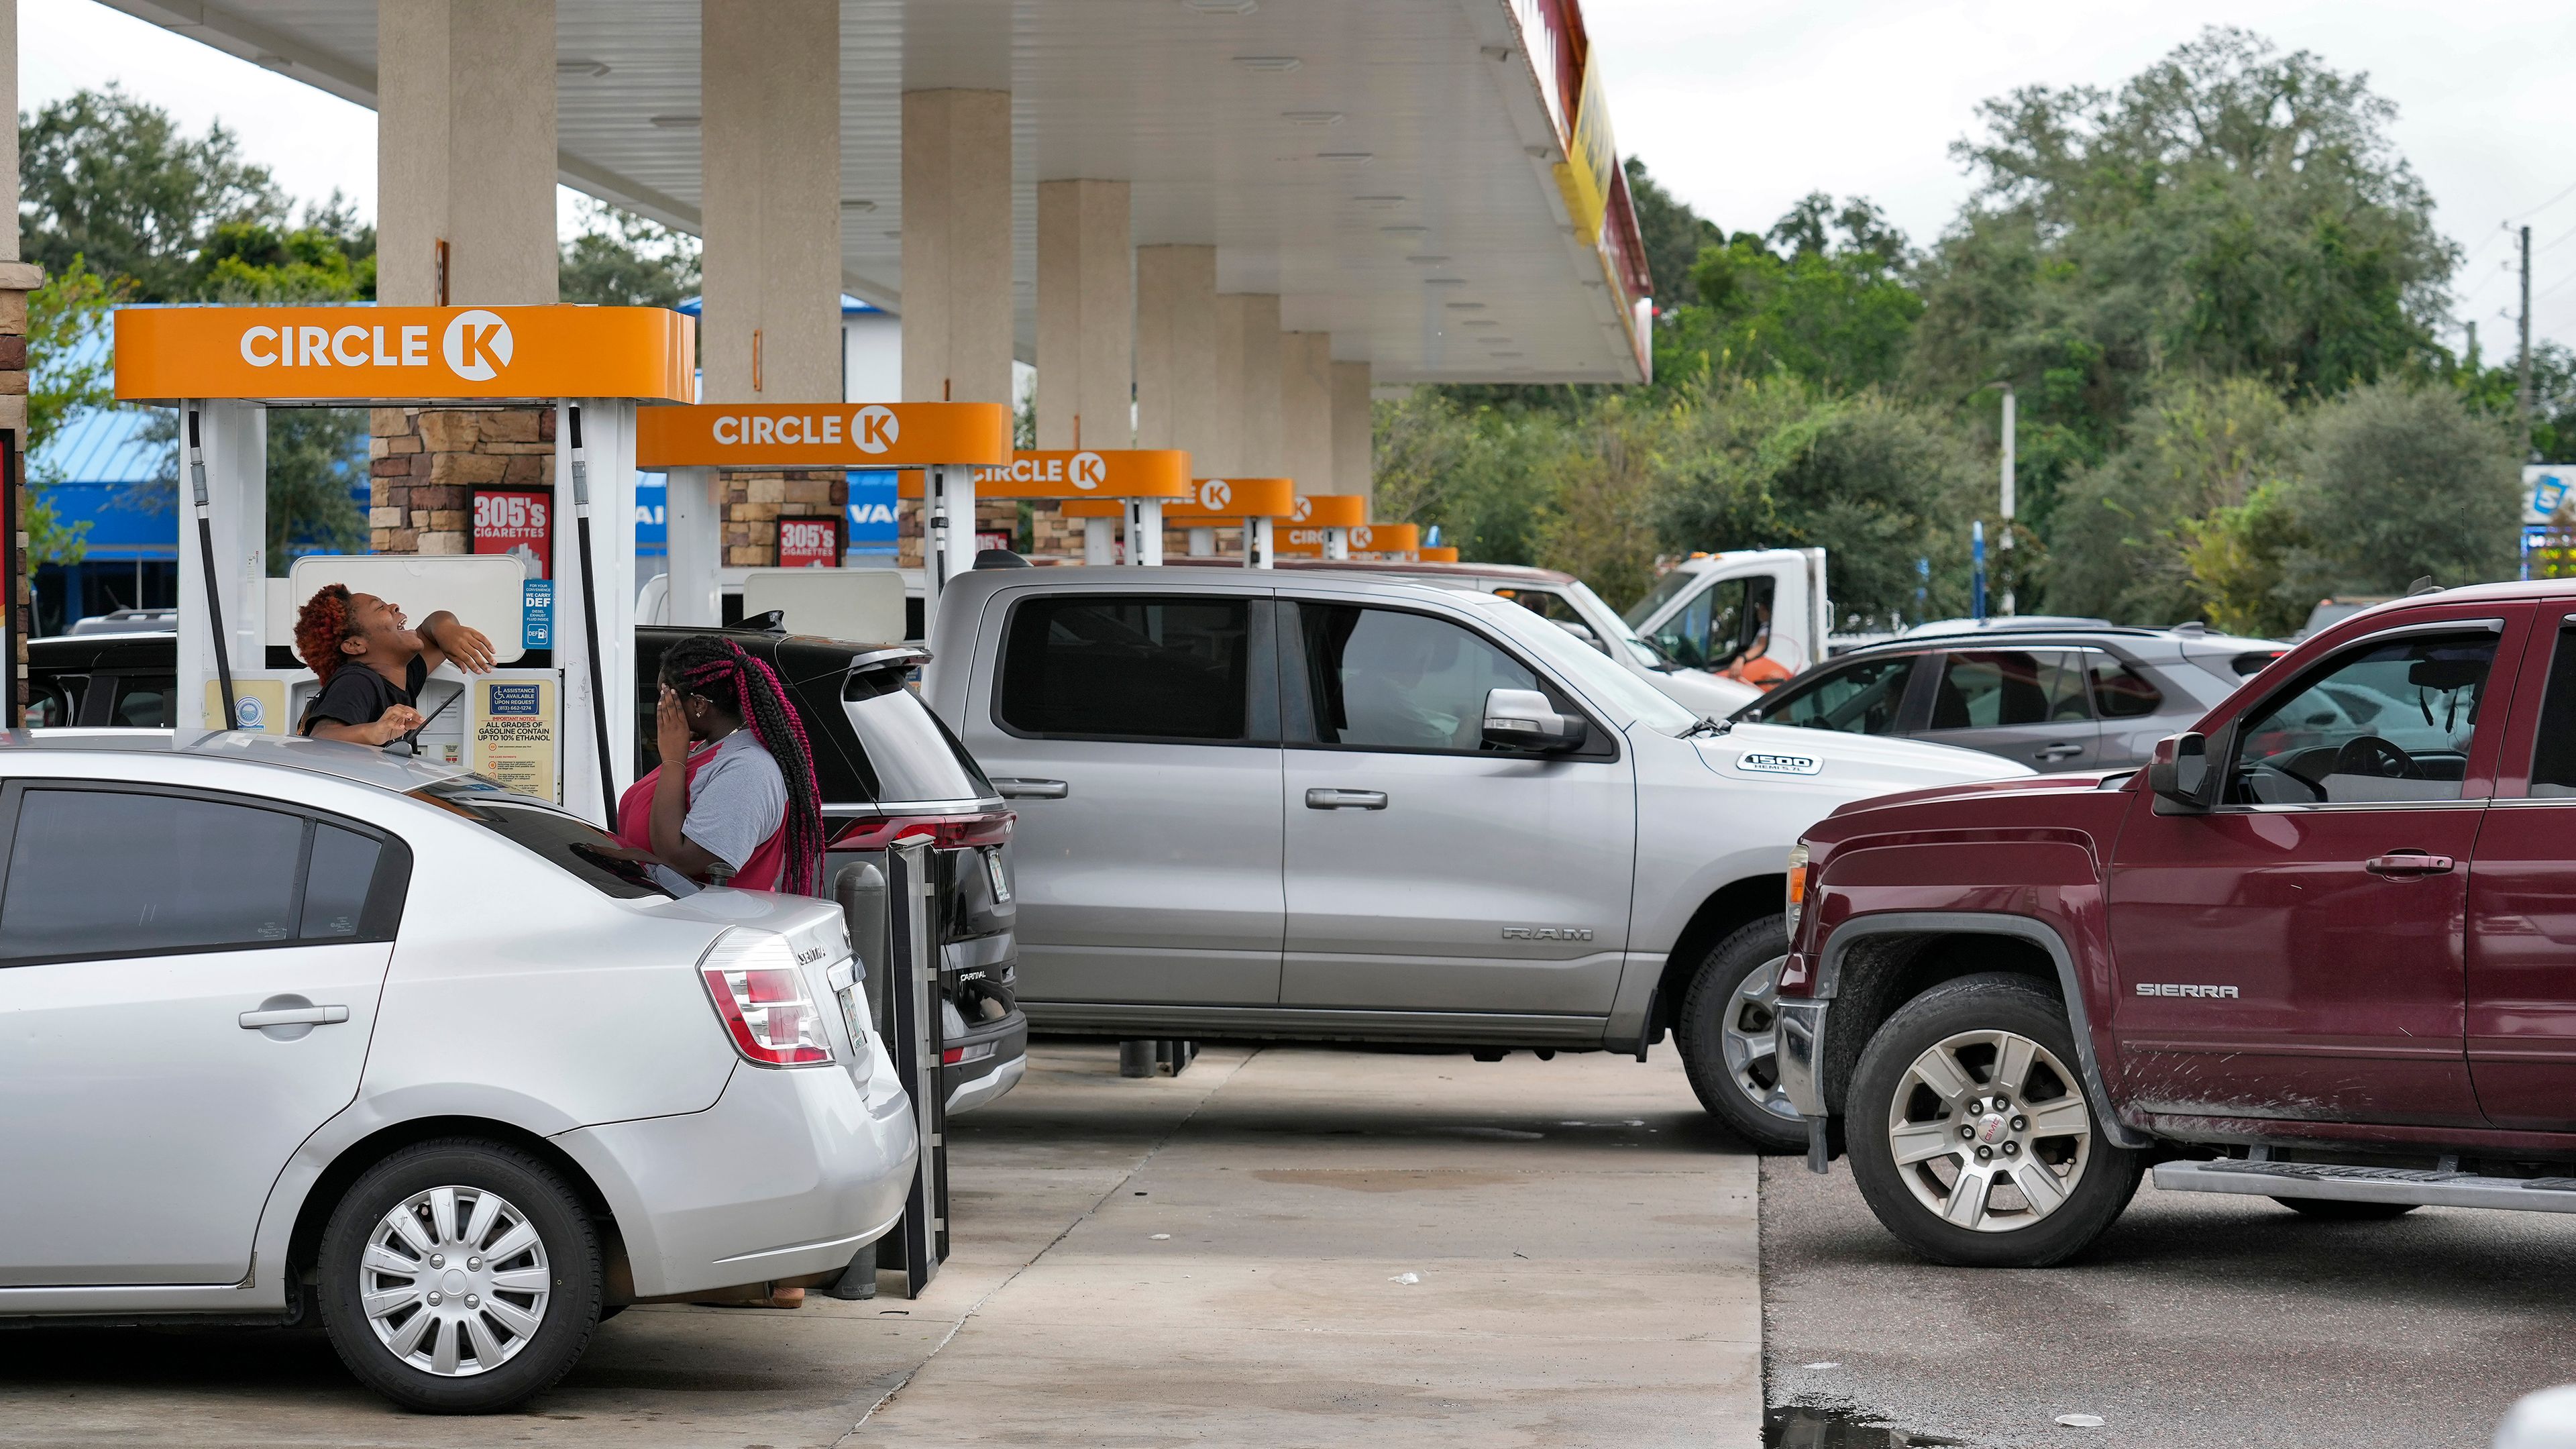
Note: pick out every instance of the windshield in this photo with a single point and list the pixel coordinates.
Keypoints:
(589, 854)
(1663, 591)
(1621, 630)
(1591, 671)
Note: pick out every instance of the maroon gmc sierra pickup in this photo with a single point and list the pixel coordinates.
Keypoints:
(2322, 949)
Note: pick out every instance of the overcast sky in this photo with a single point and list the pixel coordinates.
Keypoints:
(1742, 109)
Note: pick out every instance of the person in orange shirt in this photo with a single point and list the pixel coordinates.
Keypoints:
(1755, 666)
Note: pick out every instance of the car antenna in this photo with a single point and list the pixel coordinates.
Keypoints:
(2424, 585)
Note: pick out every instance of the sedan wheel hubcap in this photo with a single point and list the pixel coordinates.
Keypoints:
(1749, 1036)
(1990, 1131)
(454, 1281)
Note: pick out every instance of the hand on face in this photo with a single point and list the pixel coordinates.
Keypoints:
(671, 726)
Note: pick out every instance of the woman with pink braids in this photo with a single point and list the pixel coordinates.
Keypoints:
(745, 798)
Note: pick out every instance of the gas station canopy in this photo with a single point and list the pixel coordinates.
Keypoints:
(1433, 182)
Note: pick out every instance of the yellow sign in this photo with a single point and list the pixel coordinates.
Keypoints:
(1591, 167)
(823, 435)
(1215, 499)
(1076, 473)
(1329, 510)
(510, 734)
(258, 704)
(383, 353)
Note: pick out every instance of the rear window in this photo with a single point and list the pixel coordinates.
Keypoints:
(569, 842)
(1088, 666)
(910, 752)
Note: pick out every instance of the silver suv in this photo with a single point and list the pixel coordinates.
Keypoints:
(299, 1026)
(1322, 806)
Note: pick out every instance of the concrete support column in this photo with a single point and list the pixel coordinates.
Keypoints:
(17, 279)
(1248, 377)
(465, 214)
(956, 283)
(1086, 315)
(1306, 410)
(957, 246)
(465, 152)
(1177, 395)
(1354, 433)
(769, 92)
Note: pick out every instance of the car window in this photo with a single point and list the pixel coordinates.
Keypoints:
(1556, 609)
(1860, 699)
(1990, 688)
(2120, 692)
(2553, 759)
(103, 872)
(567, 841)
(1719, 624)
(1665, 589)
(910, 751)
(54, 702)
(2379, 722)
(1140, 668)
(143, 701)
(1384, 679)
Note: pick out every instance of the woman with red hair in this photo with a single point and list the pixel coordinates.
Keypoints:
(372, 663)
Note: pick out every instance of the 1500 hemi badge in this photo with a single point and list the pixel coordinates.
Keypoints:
(2185, 988)
(1765, 763)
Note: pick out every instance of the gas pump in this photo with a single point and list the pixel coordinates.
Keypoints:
(947, 441)
(1102, 486)
(1254, 504)
(557, 721)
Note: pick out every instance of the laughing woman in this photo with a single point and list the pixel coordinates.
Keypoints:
(744, 796)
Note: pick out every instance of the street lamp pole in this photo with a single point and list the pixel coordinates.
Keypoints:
(2004, 564)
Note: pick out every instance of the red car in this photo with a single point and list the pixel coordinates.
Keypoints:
(2322, 949)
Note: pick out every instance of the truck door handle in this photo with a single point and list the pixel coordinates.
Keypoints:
(1032, 789)
(1346, 799)
(2408, 862)
(294, 1016)
(2059, 751)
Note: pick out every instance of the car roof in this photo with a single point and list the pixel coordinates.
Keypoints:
(2190, 640)
(358, 764)
(1522, 573)
(986, 582)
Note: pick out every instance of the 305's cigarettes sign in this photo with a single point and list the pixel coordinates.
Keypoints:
(403, 353)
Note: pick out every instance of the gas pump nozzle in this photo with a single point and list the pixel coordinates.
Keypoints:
(206, 560)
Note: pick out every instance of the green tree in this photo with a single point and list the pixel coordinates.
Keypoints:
(112, 179)
(2399, 481)
(67, 370)
(253, 262)
(2230, 211)
(1832, 306)
(1674, 235)
(1486, 473)
(622, 260)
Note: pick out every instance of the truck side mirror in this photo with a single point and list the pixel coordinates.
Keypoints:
(2180, 775)
(1524, 719)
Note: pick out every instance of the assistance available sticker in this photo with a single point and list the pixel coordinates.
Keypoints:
(1771, 762)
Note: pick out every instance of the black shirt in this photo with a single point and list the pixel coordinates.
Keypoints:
(358, 695)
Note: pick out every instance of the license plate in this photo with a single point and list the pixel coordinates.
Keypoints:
(993, 869)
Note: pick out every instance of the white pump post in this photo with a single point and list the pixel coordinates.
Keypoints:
(608, 437)
(1145, 531)
(948, 528)
(1337, 543)
(693, 514)
(233, 440)
(1099, 541)
(1202, 543)
(1257, 553)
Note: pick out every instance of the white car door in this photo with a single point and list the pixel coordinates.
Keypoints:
(188, 981)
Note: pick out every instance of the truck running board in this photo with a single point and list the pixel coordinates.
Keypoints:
(2369, 1184)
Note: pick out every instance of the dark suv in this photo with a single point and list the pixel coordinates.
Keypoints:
(2315, 951)
(888, 770)
(2052, 694)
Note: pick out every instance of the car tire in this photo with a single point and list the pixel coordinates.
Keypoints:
(2336, 1210)
(1991, 1056)
(1729, 1034)
(530, 1310)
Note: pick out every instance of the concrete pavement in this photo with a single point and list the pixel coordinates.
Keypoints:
(1583, 1245)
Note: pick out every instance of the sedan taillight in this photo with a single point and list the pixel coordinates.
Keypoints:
(759, 994)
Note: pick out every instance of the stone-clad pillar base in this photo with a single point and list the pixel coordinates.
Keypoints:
(425, 463)
(755, 498)
(17, 279)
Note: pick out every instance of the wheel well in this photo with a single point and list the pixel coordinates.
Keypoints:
(1882, 973)
(1726, 910)
(304, 1247)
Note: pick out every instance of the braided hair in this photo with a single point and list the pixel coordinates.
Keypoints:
(720, 671)
(320, 626)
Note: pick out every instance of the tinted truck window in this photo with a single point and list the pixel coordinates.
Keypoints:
(1383, 679)
(1860, 699)
(1134, 668)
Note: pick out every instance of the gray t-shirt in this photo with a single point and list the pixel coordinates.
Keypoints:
(736, 800)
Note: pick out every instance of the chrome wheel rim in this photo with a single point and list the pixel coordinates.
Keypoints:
(1749, 1038)
(454, 1281)
(1990, 1131)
